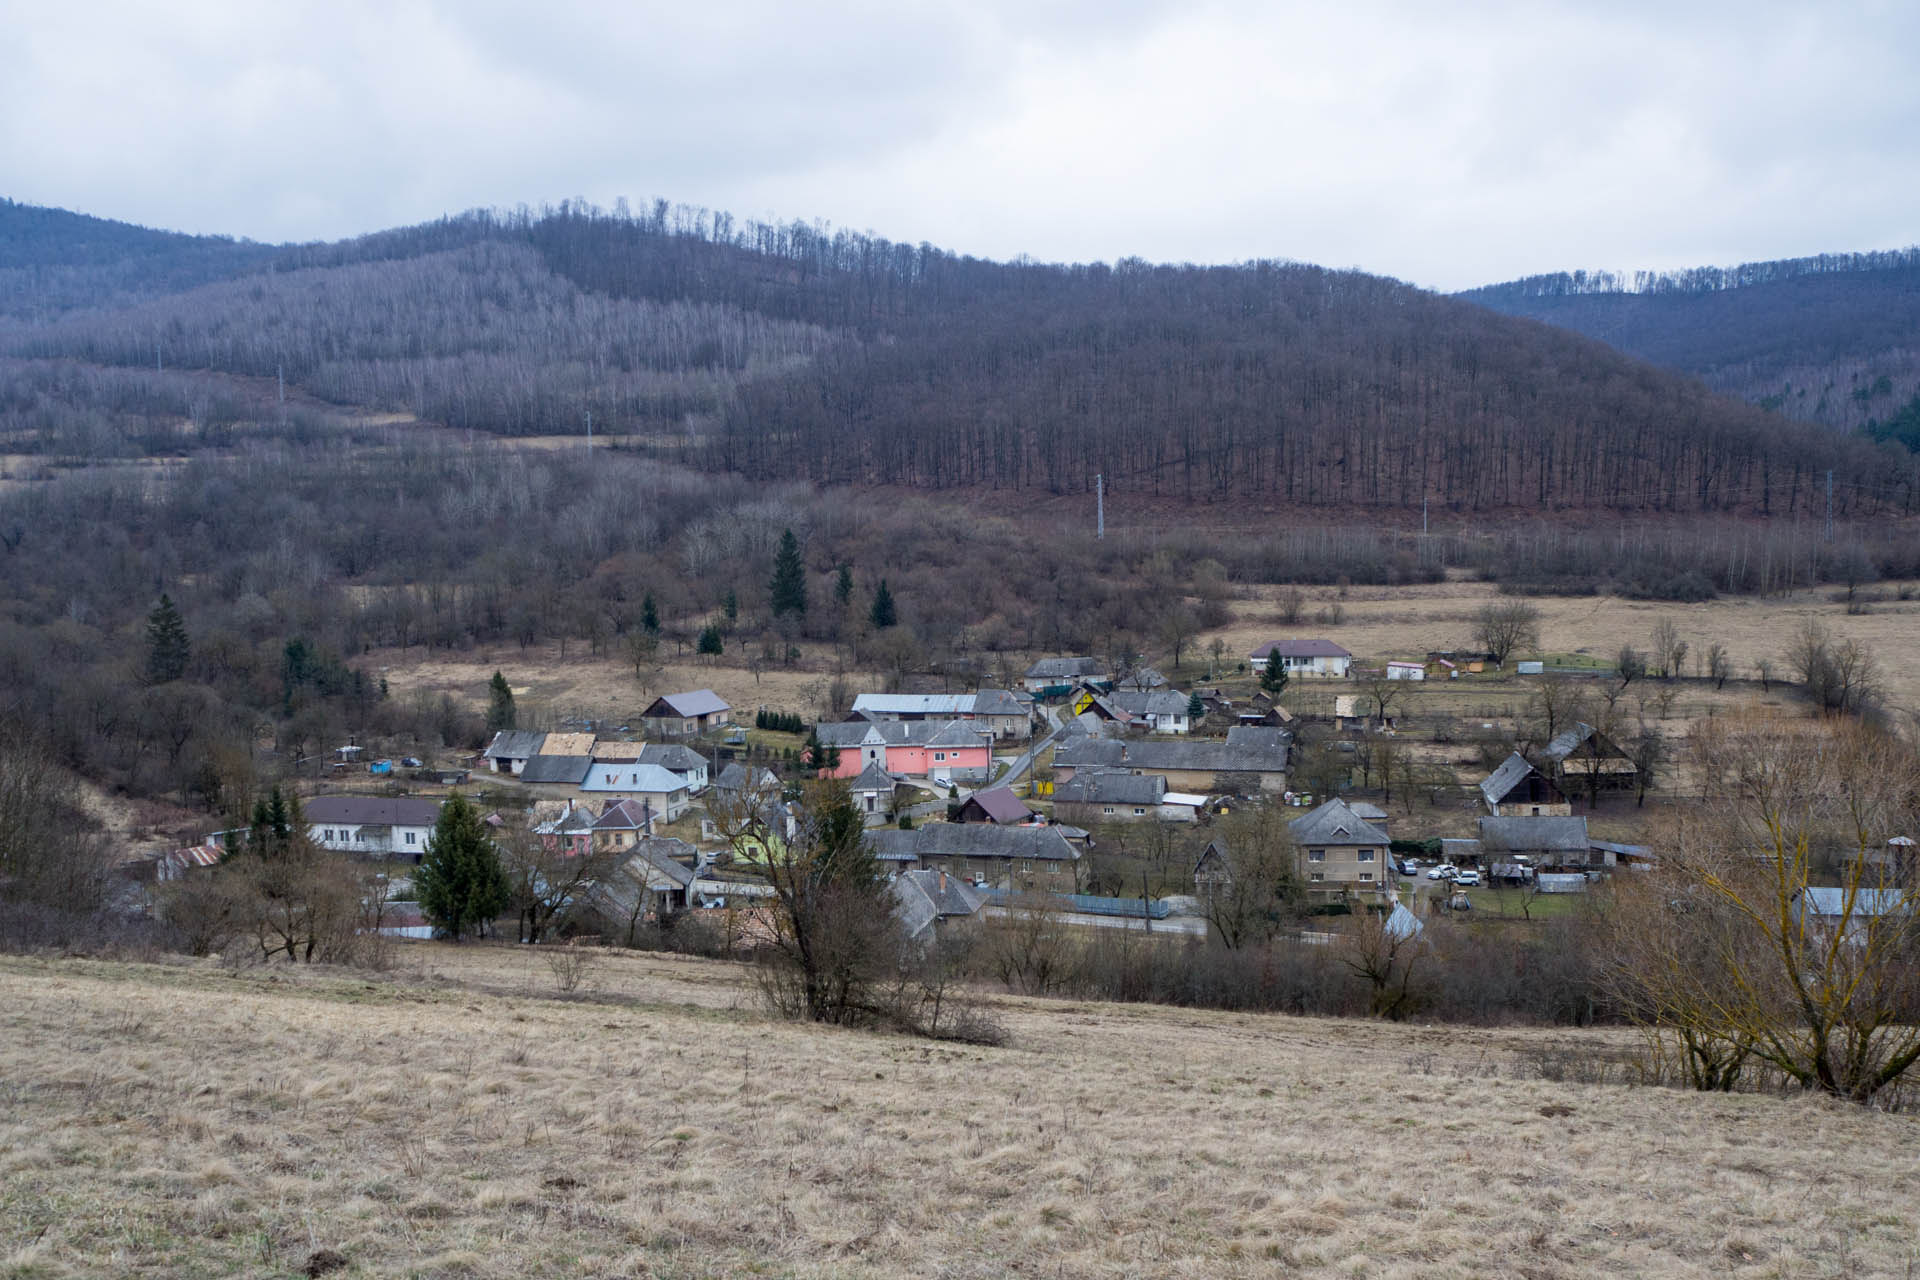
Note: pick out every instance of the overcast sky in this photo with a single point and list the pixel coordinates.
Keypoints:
(1447, 144)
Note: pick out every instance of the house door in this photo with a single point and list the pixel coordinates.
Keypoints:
(869, 804)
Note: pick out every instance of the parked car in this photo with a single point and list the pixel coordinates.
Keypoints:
(1443, 872)
(1469, 876)
(1410, 868)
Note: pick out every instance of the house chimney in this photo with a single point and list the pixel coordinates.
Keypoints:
(943, 879)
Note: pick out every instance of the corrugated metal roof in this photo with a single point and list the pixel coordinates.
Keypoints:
(696, 702)
(620, 776)
(566, 770)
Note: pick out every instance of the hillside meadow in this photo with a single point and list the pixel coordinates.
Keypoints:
(457, 1116)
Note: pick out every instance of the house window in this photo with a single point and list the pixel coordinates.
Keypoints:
(327, 834)
(1107, 809)
(1316, 855)
(1137, 812)
(411, 835)
(1316, 876)
(939, 755)
(1366, 855)
(1366, 875)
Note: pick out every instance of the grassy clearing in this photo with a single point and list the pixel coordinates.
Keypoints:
(455, 1119)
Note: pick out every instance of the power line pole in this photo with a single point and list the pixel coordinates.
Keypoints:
(1829, 504)
(1100, 506)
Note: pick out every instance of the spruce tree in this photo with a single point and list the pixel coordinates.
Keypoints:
(1196, 709)
(882, 615)
(843, 586)
(649, 615)
(1273, 676)
(789, 585)
(500, 712)
(710, 643)
(167, 645)
(730, 605)
(459, 881)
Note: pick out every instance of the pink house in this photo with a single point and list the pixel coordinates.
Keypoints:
(941, 751)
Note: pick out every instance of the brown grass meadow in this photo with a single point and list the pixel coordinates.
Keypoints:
(459, 1117)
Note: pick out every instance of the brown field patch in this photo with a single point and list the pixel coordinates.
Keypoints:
(456, 1118)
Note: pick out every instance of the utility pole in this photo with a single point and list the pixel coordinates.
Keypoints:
(1829, 504)
(1100, 506)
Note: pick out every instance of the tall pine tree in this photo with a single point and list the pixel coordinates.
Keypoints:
(500, 712)
(167, 645)
(882, 614)
(460, 881)
(789, 585)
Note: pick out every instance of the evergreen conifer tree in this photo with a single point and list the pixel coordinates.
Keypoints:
(1196, 709)
(882, 615)
(649, 615)
(460, 881)
(789, 585)
(843, 586)
(710, 643)
(500, 712)
(167, 645)
(1273, 676)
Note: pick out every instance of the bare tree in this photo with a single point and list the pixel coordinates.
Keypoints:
(1253, 883)
(1504, 626)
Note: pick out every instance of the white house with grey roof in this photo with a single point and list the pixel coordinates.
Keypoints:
(686, 715)
(1304, 657)
(378, 826)
(1051, 673)
(1160, 710)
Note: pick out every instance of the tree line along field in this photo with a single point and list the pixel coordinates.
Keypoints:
(459, 1117)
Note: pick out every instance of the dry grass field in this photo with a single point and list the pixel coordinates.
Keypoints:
(458, 1118)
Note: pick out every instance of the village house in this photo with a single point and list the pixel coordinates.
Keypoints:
(622, 824)
(1060, 673)
(876, 792)
(1406, 671)
(737, 779)
(1516, 789)
(569, 832)
(1206, 767)
(661, 790)
(928, 903)
(1096, 796)
(650, 885)
(1018, 859)
(378, 826)
(941, 751)
(511, 749)
(996, 804)
(566, 771)
(999, 712)
(1306, 657)
(685, 715)
(1160, 710)
(1827, 911)
(1340, 854)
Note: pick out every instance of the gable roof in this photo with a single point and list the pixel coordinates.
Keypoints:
(564, 769)
(926, 895)
(1311, 647)
(1568, 741)
(623, 815)
(998, 702)
(1157, 702)
(1258, 735)
(901, 733)
(914, 704)
(1511, 773)
(514, 744)
(736, 777)
(697, 702)
(971, 840)
(1832, 902)
(372, 811)
(567, 744)
(1528, 835)
(613, 775)
(1063, 668)
(1102, 787)
(1335, 822)
(1192, 755)
(1000, 805)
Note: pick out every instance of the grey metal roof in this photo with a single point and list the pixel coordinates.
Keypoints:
(1063, 668)
(736, 778)
(1368, 811)
(998, 702)
(514, 744)
(1832, 902)
(874, 778)
(1511, 773)
(672, 755)
(618, 775)
(570, 770)
(956, 733)
(372, 811)
(901, 733)
(1567, 741)
(1195, 755)
(973, 840)
(926, 895)
(696, 702)
(1531, 835)
(1312, 647)
(1258, 735)
(1158, 702)
(1335, 822)
(1101, 787)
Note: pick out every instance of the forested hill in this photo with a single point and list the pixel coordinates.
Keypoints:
(781, 351)
(1833, 339)
(52, 261)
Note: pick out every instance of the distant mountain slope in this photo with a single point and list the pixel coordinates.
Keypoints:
(784, 351)
(53, 261)
(1833, 339)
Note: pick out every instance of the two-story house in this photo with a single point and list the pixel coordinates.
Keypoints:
(1340, 854)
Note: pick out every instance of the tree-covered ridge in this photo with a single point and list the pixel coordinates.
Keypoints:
(1833, 339)
(794, 351)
